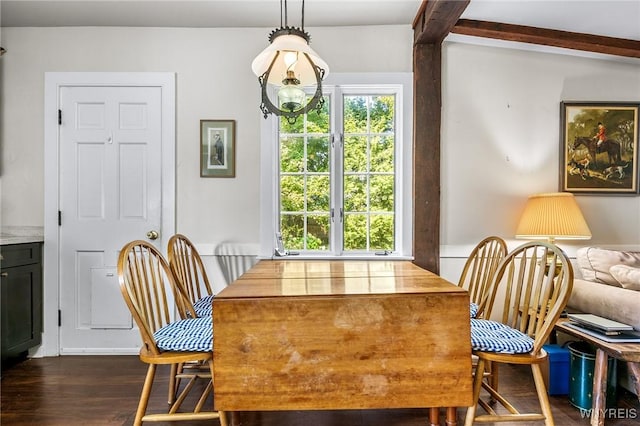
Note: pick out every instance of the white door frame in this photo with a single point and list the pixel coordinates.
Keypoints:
(53, 82)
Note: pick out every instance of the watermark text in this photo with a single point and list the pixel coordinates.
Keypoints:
(612, 413)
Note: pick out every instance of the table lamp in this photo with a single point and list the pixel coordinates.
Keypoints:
(552, 216)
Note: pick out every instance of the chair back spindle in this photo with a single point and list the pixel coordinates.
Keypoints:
(480, 267)
(187, 265)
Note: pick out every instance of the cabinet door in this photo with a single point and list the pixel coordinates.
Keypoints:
(21, 308)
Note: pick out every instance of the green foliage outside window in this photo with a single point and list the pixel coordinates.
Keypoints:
(369, 174)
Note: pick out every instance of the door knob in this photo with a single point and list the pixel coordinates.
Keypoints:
(152, 235)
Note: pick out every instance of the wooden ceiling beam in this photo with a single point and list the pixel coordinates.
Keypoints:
(546, 37)
(435, 19)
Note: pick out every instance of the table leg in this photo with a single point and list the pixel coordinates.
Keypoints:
(434, 416)
(599, 389)
(452, 418)
(634, 369)
(235, 419)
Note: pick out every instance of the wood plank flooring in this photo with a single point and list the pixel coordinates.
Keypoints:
(104, 390)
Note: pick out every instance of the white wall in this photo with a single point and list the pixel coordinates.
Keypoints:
(501, 143)
(500, 126)
(214, 81)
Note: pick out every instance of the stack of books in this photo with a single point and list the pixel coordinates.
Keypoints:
(603, 328)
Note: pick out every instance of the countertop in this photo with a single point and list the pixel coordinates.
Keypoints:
(21, 235)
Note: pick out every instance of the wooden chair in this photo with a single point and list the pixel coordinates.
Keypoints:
(477, 276)
(187, 266)
(480, 267)
(147, 285)
(533, 294)
(188, 269)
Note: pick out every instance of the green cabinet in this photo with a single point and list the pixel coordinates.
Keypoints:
(20, 298)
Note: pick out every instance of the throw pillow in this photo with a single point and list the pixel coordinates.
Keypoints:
(594, 263)
(627, 276)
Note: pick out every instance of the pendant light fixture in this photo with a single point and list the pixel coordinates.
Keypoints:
(289, 64)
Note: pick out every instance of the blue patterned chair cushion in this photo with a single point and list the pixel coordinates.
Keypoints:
(473, 309)
(203, 306)
(492, 336)
(192, 334)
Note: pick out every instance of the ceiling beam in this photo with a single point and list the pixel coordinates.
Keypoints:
(435, 19)
(546, 37)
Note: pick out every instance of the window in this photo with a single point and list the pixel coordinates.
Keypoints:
(340, 186)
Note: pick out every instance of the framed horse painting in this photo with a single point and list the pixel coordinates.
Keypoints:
(599, 147)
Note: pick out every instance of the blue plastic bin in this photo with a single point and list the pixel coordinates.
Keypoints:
(558, 369)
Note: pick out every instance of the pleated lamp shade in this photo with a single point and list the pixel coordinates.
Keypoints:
(553, 216)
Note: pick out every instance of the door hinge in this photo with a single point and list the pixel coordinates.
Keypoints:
(59, 117)
(59, 318)
(59, 218)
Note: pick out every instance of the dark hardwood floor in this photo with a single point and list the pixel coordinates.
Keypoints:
(104, 390)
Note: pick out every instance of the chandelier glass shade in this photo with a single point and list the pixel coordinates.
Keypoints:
(294, 69)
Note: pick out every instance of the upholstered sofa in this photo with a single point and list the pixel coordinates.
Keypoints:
(607, 283)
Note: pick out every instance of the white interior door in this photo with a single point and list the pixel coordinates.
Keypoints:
(110, 193)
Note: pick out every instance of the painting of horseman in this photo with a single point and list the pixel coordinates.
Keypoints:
(603, 136)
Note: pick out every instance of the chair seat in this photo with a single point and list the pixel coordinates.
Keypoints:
(191, 334)
(203, 307)
(492, 336)
(473, 309)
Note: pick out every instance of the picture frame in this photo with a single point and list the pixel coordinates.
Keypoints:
(218, 148)
(599, 147)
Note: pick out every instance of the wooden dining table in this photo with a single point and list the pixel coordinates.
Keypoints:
(341, 334)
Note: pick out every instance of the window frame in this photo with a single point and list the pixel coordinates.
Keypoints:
(335, 86)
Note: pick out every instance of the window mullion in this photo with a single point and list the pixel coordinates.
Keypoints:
(336, 172)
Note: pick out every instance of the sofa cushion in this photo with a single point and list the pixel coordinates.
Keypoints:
(627, 276)
(616, 303)
(595, 263)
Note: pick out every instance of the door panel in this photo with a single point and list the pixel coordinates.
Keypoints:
(110, 194)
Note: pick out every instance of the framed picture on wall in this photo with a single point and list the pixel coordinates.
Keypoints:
(217, 148)
(599, 147)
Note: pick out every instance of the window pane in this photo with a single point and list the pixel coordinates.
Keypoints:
(318, 154)
(292, 228)
(382, 114)
(355, 232)
(291, 154)
(318, 194)
(355, 193)
(369, 167)
(355, 154)
(382, 149)
(318, 232)
(291, 193)
(381, 235)
(381, 193)
(355, 114)
(319, 122)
